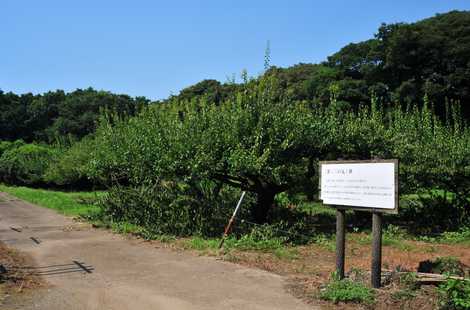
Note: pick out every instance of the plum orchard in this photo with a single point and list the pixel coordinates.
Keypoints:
(263, 142)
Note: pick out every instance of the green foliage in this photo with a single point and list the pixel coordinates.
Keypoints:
(270, 144)
(435, 162)
(7, 145)
(70, 169)
(26, 164)
(413, 60)
(54, 115)
(347, 291)
(455, 294)
(171, 208)
(402, 63)
(461, 236)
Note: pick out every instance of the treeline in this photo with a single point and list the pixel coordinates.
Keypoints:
(57, 114)
(403, 63)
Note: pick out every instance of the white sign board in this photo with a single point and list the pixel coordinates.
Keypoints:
(363, 184)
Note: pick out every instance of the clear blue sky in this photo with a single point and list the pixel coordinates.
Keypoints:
(155, 48)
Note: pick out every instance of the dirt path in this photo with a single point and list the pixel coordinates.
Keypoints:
(127, 274)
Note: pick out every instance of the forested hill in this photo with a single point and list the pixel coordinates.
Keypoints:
(402, 63)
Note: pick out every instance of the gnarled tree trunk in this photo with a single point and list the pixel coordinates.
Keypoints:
(264, 204)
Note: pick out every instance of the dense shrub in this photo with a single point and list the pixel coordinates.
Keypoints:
(26, 164)
(70, 168)
(174, 208)
(431, 213)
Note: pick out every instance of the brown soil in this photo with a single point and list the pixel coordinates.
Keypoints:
(17, 279)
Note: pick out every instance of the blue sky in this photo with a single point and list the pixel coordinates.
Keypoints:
(156, 48)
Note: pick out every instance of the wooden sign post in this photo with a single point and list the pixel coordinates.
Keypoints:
(340, 241)
(376, 265)
(362, 185)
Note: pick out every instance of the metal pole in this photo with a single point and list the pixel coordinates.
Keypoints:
(376, 268)
(340, 242)
(232, 219)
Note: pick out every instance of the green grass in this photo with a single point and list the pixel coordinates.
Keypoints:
(245, 243)
(392, 236)
(66, 203)
(202, 244)
(461, 236)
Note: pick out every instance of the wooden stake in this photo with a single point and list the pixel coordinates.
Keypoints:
(232, 219)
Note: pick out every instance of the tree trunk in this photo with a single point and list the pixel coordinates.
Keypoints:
(264, 203)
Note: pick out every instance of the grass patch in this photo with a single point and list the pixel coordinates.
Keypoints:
(286, 253)
(328, 242)
(251, 242)
(245, 243)
(461, 236)
(456, 237)
(392, 236)
(347, 290)
(66, 203)
(201, 244)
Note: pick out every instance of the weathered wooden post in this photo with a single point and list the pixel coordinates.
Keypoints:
(376, 267)
(340, 242)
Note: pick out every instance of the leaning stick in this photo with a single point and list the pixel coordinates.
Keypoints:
(232, 219)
